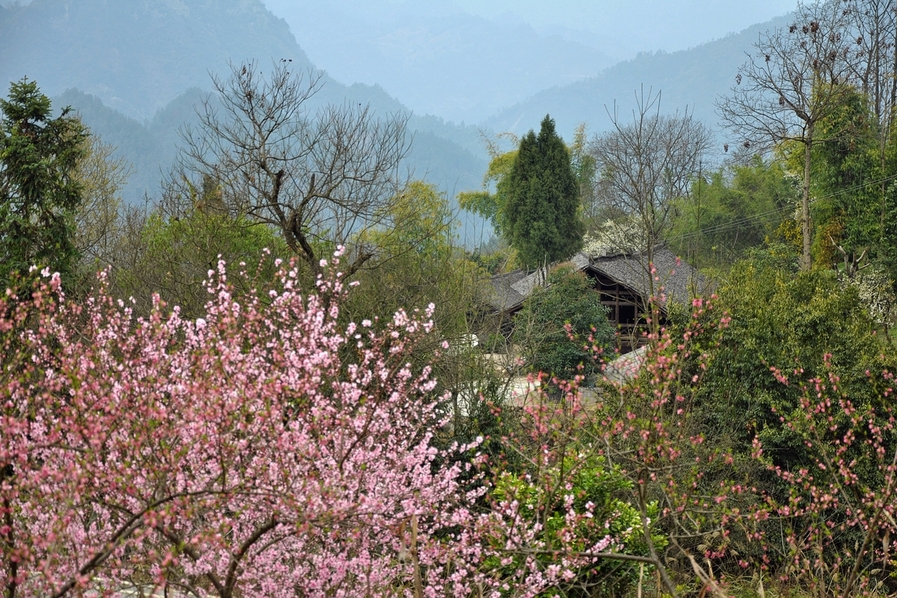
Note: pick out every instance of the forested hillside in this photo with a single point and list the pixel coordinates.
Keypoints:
(692, 78)
(670, 373)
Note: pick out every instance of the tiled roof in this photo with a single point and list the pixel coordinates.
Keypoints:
(503, 296)
(679, 281)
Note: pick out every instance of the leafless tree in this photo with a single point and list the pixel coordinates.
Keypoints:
(320, 177)
(794, 78)
(873, 54)
(645, 165)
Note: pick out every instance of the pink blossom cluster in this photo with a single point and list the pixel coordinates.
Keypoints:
(264, 449)
(829, 498)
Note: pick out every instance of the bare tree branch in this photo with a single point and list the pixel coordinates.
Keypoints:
(644, 166)
(794, 78)
(319, 178)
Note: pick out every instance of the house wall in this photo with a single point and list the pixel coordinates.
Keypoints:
(625, 307)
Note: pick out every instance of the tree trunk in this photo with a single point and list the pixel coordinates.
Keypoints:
(805, 262)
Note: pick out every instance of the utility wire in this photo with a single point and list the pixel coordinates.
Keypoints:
(745, 220)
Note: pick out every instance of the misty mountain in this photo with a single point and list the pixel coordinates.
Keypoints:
(623, 29)
(136, 69)
(436, 57)
(692, 78)
(137, 55)
(134, 141)
(466, 59)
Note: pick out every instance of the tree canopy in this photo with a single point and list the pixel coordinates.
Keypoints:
(541, 218)
(793, 80)
(318, 178)
(39, 188)
(555, 325)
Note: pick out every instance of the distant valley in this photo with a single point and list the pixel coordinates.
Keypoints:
(135, 70)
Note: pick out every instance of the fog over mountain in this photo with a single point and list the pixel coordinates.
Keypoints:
(435, 56)
(623, 28)
(466, 59)
(135, 69)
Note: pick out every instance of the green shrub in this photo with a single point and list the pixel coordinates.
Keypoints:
(541, 327)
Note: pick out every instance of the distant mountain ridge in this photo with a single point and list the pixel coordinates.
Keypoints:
(436, 57)
(692, 79)
(135, 69)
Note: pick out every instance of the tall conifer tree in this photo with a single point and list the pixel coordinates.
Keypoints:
(39, 191)
(541, 219)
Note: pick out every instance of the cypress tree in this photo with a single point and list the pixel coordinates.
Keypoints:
(541, 219)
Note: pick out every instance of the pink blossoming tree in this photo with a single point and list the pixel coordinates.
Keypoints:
(262, 450)
(271, 449)
(265, 449)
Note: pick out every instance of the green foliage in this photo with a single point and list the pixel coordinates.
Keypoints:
(491, 205)
(540, 328)
(495, 257)
(585, 169)
(790, 323)
(491, 201)
(541, 218)
(586, 479)
(39, 189)
(102, 177)
(174, 252)
(583, 483)
(887, 254)
(416, 262)
(419, 222)
(739, 208)
(852, 168)
(847, 210)
(797, 370)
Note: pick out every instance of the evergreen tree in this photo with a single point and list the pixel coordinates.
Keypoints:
(39, 190)
(541, 219)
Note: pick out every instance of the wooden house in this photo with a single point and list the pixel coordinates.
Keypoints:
(625, 281)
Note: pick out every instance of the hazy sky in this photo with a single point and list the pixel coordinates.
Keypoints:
(633, 25)
(639, 24)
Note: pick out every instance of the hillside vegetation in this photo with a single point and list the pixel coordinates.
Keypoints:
(285, 374)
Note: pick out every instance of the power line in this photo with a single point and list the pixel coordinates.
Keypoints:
(745, 220)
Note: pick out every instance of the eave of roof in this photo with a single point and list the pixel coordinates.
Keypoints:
(673, 278)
